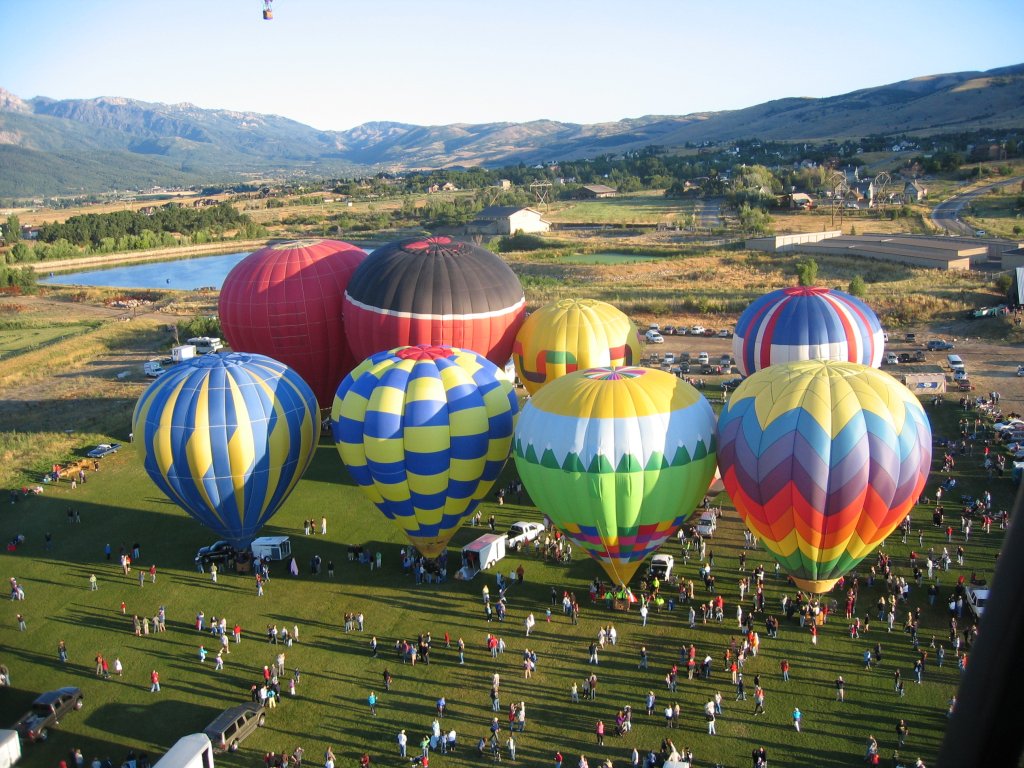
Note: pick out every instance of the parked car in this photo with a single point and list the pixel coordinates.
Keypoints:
(233, 725)
(910, 338)
(731, 384)
(904, 357)
(1020, 370)
(653, 337)
(697, 330)
(964, 385)
(708, 524)
(46, 712)
(103, 449)
(703, 358)
(937, 345)
(668, 330)
(725, 333)
(219, 552)
(976, 599)
(669, 358)
(980, 233)
(960, 374)
(891, 359)
(661, 566)
(523, 533)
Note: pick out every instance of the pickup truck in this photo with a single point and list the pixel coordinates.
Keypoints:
(220, 552)
(103, 449)
(47, 711)
(523, 533)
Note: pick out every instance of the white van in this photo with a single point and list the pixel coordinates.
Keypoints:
(192, 751)
(707, 525)
(955, 363)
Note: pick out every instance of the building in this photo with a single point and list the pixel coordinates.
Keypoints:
(594, 191)
(914, 191)
(800, 200)
(507, 220)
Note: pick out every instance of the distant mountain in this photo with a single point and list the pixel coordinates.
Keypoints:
(50, 147)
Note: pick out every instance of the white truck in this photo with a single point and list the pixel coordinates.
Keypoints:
(183, 352)
(192, 751)
(153, 369)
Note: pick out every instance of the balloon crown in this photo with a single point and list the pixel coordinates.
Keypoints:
(614, 374)
(422, 352)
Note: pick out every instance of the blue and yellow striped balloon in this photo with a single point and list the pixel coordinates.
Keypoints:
(227, 438)
(425, 432)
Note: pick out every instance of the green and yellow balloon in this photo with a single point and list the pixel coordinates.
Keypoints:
(618, 459)
(571, 335)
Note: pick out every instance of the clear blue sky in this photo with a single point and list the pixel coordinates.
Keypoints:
(334, 64)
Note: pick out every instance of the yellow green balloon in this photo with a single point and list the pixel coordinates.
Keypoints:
(570, 335)
(618, 459)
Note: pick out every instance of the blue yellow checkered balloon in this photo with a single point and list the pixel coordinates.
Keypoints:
(425, 432)
(227, 438)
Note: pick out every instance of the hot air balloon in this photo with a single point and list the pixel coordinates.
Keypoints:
(806, 323)
(569, 335)
(823, 460)
(617, 458)
(436, 291)
(285, 301)
(227, 438)
(424, 432)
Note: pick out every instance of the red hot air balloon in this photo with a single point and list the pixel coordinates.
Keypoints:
(285, 301)
(435, 291)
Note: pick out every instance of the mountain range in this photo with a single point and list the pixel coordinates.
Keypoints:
(57, 147)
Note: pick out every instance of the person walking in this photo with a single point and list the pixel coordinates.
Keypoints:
(784, 666)
(511, 746)
(599, 732)
(840, 689)
(213, 572)
(403, 743)
(709, 714)
(797, 717)
(372, 701)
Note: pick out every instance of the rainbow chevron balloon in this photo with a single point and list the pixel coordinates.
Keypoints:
(227, 437)
(425, 432)
(569, 335)
(618, 458)
(823, 460)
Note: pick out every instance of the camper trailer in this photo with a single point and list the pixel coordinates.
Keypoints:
(272, 547)
(483, 552)
(183, 352)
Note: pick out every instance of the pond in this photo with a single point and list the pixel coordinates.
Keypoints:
(178, 274)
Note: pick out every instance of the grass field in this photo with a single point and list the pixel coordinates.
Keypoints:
(120, 506)
(649, 208)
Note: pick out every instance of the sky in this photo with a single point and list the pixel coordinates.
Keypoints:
(334, 64)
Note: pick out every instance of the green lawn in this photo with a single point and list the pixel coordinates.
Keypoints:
(120, 505)
(633, 209)
(20, 339)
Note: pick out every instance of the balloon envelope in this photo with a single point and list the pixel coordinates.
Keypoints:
(227, 437)
(286, 301)
(436, 291)
(806, 323)
(570, 335)
(424, 432)
(617, 458)
(823, 460)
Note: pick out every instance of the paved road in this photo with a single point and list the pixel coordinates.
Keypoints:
(946, 215)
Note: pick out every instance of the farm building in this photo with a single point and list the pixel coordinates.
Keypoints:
(506, 220)
(595, 191)
(919, 251)
(914, 192)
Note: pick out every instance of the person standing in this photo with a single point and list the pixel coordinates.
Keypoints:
(323, 526)
(902, 731)
(219, 661)
(403, 742)
(511, 745)
(213, 572)
(709, 714)
(62, 652)
(154, 679)
(840, 689)
(643, 614)
(784, 666)
(599, 732)
(797, 717)
(93, 586)
(372, 701)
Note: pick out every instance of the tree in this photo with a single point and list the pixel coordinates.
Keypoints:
(12, 230)
(807, 272)
(857, 287)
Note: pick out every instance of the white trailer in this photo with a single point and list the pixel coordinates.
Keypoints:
(10, 748)
(183, 352)
(480, 554)
(272, 547)
(192, 751)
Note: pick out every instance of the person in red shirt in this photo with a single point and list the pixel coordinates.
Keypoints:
(154, 678)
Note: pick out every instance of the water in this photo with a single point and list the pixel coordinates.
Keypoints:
(179, 274)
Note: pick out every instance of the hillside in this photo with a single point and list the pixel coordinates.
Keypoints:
(50, 147)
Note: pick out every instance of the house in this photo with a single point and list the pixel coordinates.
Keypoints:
(594, 191)
(506, 220)
(914, 191)
(446, 187)
(504, 184)
(801, 200)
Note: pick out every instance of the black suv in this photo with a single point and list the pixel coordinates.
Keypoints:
(220, 552)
